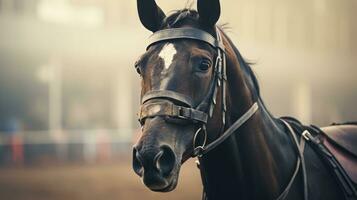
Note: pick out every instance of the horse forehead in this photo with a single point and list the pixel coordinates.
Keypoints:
(173, 56)
(167, 54)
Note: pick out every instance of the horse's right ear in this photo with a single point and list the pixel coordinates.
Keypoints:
(209, 11)
(151, 16)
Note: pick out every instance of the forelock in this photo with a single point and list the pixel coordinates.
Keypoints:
(179, 17)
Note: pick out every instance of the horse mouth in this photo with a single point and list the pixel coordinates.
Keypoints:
(161, 184)
(171, 186)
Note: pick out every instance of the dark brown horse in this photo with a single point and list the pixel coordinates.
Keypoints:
(195, 84)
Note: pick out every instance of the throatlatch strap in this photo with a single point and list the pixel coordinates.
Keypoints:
(252, 110)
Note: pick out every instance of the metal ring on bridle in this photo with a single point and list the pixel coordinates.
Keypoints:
(197, 151)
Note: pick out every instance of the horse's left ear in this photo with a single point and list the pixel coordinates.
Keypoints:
(209, 11)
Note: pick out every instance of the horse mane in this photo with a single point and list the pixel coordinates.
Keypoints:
(250, 76)
(247, 69)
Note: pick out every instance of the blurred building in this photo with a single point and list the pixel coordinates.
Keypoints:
(66, 75)
(66, 59)
(305, 54)
(66, 66)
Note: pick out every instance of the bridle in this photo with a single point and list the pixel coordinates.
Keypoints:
(176, 105)
(179, 106)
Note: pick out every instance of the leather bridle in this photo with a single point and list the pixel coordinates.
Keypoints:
(170, 104)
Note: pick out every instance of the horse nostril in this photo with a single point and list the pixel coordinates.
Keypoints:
(162, 162)
(137, 163)
(165, 160)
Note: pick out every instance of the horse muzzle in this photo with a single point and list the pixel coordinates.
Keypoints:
(158, 167)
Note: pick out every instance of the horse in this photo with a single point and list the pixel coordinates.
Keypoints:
(200, 98)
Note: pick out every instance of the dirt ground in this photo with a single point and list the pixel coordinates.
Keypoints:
(94, 182)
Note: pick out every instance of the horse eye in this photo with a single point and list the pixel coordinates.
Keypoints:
(204, 65)
(138, 69)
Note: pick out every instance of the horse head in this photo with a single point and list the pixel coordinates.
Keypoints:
(178, 81)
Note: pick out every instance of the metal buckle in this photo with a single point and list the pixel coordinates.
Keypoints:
(307, 135)
(198, 164)
(199, 150)
(180, 113)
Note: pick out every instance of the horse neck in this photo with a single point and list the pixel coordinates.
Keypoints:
(258, 160)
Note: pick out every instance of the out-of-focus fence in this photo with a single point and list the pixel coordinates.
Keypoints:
(84, 146)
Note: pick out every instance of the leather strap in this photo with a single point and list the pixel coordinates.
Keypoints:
(185, 33)
(339, 173)
(300, 162)
(169, 109)
(167, 94)
(252, 110)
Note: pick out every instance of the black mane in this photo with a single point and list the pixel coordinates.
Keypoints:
(247, 69)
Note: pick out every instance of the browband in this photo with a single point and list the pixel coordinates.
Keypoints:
(185, 33)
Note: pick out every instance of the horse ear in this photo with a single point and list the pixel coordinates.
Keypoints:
(209, 11)
(151, 16)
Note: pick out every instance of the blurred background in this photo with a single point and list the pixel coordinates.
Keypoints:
(69, 91)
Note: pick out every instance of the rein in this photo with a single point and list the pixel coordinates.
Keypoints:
(174, 105)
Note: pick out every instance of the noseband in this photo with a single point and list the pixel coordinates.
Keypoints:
(173, 105)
